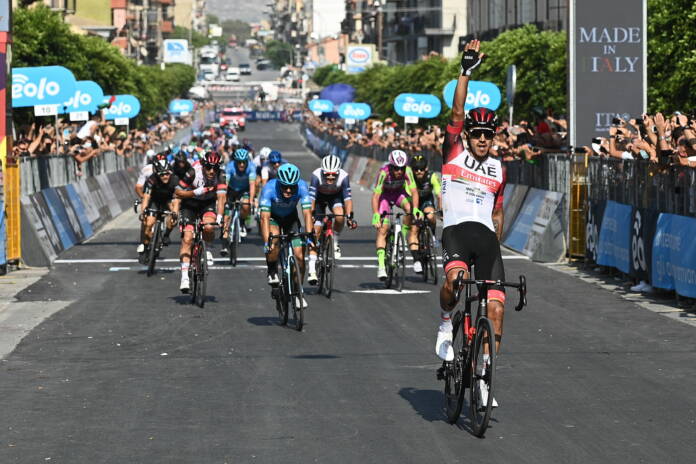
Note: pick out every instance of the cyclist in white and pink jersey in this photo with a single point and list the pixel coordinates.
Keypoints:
(472, 201)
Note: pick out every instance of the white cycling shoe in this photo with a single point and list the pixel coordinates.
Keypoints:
(443, 345)
(185, 286)
(141, 248)
(304, 302)
(483, 394)
(337, 250)
(273, 279)
(209, 258)
(417, 267)
(312, 278)
(382, 274)
(242, 232)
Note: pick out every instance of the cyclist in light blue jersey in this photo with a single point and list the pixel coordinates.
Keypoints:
(241, 185)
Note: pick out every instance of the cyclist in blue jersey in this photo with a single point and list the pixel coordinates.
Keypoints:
(241, 185)
(279, 199)
(270, 171)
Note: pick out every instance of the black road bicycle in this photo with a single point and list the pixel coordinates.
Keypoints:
(198, 269)
(289, 291)
(427, 250)
(234, 238)
(395, 252)
(156, 243)
(473, 366)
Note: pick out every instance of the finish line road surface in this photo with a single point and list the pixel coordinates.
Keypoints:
(129, 372)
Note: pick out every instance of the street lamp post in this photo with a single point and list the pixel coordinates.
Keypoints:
(378, 5)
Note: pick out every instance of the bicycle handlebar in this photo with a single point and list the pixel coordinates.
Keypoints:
(483, 285)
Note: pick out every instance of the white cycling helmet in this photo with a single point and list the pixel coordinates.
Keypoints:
(330, 163)
(398, 158)
(264, 152)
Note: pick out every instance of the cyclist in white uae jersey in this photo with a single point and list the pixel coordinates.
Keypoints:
(472, 196)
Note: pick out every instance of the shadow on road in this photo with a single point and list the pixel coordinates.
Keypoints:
(427, 403)
(263, 321)
(186, 299)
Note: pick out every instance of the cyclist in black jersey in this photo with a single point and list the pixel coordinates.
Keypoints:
(428, 185)
(158, 194)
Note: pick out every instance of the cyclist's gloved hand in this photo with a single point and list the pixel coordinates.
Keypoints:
(376, 220)
(199, 191)
(352, 224)
(218, 219)
(470, 61)
(417, 213)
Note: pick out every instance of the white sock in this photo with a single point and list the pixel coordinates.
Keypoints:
(445, 321)
(184, 270)
(312, 263)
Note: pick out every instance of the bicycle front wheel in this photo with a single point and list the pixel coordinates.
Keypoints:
(154, 244)
(193, 272)
(329, 266)
(455, 371)
(400, 263)
(297, 294)
(282, 301)
(201, 274)
(482, 374)
(388, 259)
(234, 241)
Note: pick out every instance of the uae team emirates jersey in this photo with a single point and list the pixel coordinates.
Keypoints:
(471, 189)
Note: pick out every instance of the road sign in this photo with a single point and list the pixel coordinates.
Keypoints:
(176, 51)
(46, 110)
(79, 116)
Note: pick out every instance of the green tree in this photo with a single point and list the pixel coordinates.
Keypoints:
(671, 55)
(42, 39)
(280, 53)
(197, 39)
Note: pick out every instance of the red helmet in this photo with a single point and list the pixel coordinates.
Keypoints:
(481, 118)
(212, 159)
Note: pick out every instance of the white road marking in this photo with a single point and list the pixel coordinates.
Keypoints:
(390, 291)
(224, 260)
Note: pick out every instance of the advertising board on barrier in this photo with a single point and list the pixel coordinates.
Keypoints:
(643, 224)
(614, 245)
(43, 85)
(87, 97)
(593, 220)
(674, 254)
(479, 94)
(181, 106)
(419, 105)
(354, 110)
(124, 106)
(321, 106)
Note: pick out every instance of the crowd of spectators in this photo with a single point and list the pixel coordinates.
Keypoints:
(519, 141)
(86, 140)
(657, 138)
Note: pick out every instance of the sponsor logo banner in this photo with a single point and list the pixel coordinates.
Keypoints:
(674, 254)
(44, 85)
(417, 104)
(479, 94)
(614, 246)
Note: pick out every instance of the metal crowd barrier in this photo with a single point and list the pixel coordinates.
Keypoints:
(547, 172)
(45, 171)
(667, 189)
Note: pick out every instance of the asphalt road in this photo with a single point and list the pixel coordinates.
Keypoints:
(240, 55)
(129, 372)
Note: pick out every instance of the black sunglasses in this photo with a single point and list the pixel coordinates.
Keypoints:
(399, 168)
(477, 133)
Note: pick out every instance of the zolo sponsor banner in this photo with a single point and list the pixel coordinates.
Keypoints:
(354, 110)
(608, 72)
(614, 246)
(674, 254)
(643, 225)
(419, 105)
(479, 94)
(124, 106)
(593, 221)
(44, 85)
(87, 97)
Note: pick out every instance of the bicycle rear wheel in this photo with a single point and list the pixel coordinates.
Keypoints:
(154, 245)
(482, 374)
(297, 295)
(329, 266)
(202, 274)
(455, 371)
